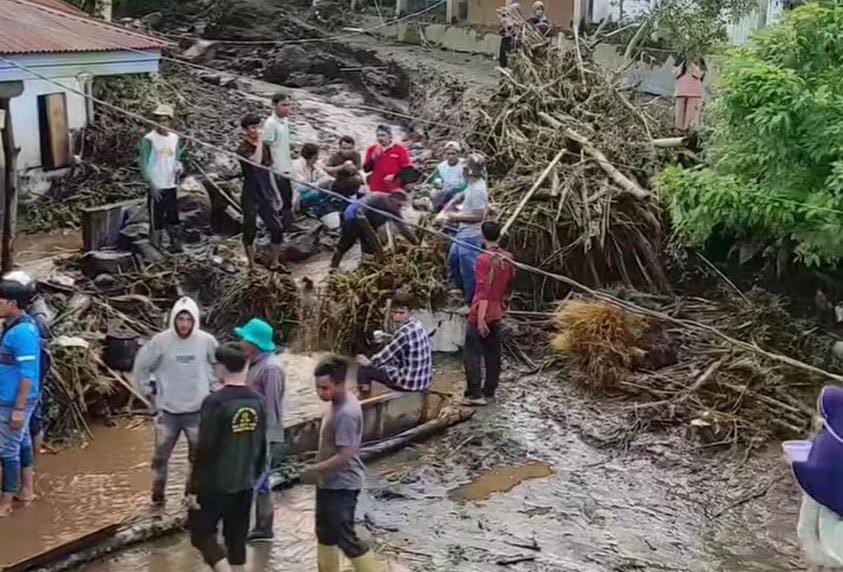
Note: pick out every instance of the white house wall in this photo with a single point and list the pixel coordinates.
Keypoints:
(42, 73)
(616, 10)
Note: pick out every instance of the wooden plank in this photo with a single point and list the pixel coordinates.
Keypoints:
(58, 130)
(62, 551)
(101, 224)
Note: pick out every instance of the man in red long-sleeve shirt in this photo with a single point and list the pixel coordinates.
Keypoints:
(384, 162)
(494, 272)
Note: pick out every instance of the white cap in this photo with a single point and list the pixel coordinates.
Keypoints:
(164, 110)
(453, 145)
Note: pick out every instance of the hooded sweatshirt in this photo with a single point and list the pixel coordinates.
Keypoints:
(183, 367)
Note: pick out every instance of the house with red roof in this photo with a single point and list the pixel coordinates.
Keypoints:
(50, 54)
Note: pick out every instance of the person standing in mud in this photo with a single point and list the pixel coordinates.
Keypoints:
(20, 362)
(339, 474)
(159, 160)
(385, 161)
(181, 359)
(278, 135)
(474, 202)
(230, 456)
(406, 363)
(259, 197)
(483, 330)
(266, 377)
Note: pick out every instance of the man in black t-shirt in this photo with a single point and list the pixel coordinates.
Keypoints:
(230, 456)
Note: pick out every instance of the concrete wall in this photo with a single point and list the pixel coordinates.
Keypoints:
(485, 12)
(42, 73)
(616, 10)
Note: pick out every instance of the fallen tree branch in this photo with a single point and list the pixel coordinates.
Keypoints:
(529, 194)
(622, 180)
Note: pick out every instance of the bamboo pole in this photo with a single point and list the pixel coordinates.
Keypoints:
(529, 194)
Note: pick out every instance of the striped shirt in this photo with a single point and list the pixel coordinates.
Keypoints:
(407, 358)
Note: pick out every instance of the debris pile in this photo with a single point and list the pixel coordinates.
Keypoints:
(133, 306)
(354, 304)
(727, 394)
(570, 157)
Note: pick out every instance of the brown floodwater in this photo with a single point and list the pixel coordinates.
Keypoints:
(499, 480)
(82, 490)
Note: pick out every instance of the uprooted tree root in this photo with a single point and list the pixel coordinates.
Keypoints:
(727, 394)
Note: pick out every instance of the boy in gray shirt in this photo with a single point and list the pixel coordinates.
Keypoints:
(339, 471)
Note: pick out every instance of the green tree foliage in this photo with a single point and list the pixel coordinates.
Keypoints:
(775, 154)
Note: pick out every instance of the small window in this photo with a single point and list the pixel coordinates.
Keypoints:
(53, 131)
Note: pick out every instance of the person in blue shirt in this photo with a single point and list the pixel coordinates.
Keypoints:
(20, 353)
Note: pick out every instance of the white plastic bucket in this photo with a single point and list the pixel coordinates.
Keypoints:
(332, 220)
(797, 451)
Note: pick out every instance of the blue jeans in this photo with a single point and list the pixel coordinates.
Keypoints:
(15, 447)
(461, 264)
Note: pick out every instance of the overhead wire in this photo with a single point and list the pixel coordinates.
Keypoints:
(601, 295)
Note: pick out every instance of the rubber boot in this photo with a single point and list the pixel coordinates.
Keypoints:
(174, 231)
(367, 563)
(264, 517)
(328, 558)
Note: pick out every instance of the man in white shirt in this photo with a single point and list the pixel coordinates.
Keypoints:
(159, 160)
(276, 133)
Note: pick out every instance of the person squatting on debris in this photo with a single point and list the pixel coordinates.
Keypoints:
(494, 273)
(159, 160)
(449, 176)
(339, 473)
(820, 528)
(345, 166)
(307, 170)
(406, 362)
(360, 223)
(462, 257)
(230, 456)
(385, 161)
(259, 196)
(277, 133)
(20, 363)
(266, 377)
(539, 19)
(181, 360)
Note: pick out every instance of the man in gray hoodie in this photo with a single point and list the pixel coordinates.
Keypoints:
(181, 359)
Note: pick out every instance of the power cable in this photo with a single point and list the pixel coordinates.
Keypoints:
(601, 295)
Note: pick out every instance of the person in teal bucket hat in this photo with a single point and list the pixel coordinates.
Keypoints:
(266, 376)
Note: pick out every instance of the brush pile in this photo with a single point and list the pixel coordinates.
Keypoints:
(563, 135)
(727, 394)
(353, 304)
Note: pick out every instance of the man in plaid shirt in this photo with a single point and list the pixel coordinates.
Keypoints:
(406, 363)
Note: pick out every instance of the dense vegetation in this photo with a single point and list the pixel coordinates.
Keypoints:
(774, 156)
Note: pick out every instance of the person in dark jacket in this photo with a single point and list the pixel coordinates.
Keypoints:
(259, 195)
(230, 457)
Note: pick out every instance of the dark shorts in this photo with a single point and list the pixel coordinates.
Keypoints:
(335, 521)
(354, 230)
(163, 211)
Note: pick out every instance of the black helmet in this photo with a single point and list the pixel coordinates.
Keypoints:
(18, 286)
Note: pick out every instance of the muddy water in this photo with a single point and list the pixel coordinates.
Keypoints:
(499, 480)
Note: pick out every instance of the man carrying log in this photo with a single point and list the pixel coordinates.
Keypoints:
(339, 474)
(277, 133)
(181, 359)
(20, 362)
(474, 201)
(406, 363)
(230, 456)
(483, 330)
(259, 196)
(363, 218)
(266, 377)
(159, 160)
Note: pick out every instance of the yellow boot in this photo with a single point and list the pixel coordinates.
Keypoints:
(328, 558)
(367, 563)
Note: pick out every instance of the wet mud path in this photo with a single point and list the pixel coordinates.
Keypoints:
(547, 479)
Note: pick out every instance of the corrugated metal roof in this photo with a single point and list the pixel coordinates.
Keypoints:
(42, 26)
(58, 5)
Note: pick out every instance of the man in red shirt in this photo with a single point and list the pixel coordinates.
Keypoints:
(494, 273)
(384, 162)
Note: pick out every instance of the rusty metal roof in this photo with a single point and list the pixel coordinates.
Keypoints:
(49, 26)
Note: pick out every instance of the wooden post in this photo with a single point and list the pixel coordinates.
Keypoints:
(450, 11)
(10, 199)
(401, 7)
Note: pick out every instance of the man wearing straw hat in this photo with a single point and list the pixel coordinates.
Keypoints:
(159, 160)
(266, 376)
